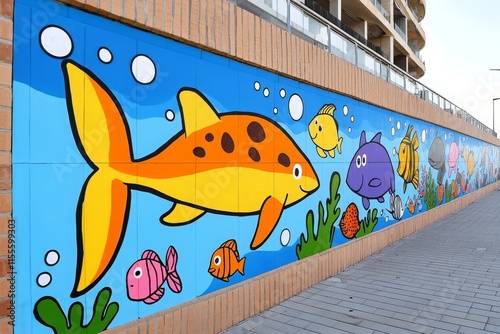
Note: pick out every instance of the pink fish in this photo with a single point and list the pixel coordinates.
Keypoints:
(146, 276)
(452, 158)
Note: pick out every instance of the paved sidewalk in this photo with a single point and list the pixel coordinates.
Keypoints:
(442, 279)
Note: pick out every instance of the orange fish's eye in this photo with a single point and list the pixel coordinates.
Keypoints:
(217, 260)
(297, 171)
(138, 272)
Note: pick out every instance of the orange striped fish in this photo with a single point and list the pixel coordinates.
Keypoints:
(408, 159)
(225, 261)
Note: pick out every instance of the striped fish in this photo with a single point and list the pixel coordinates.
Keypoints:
(225, 261)
(408, 159)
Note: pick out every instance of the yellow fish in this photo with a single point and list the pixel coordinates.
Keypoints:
(233, 163)
(469, 159)
(323, 130)
(225, 261)
(408, 159)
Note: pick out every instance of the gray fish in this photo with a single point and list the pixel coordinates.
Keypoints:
(397, 209)
(437, 158)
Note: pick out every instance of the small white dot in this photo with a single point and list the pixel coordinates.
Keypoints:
(105, 55)
(56, 42)
(256, 85)
(282, 93)
(51, 258)
(352, 119)
(143, 69)
(44, 279)
(393, 131)
(349, 129)
(398, 125)
(266, 92)
(345, 110)
(275, 110)
(424, 133)
(285, 237)
(390, 119)
(394, 152)
(169, 115)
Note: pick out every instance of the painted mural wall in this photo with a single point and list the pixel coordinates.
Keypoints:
(148, 173)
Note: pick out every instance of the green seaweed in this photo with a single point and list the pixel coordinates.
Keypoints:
(322, 240)
(367, 224)
(48, 312)
(447, 191)
(430, 196)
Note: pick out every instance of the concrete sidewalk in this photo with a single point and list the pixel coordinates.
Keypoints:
(442, 279)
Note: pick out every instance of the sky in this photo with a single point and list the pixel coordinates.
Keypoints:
(462, 45)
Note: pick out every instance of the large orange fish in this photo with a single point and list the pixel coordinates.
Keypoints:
(234, 163)
(225, 261)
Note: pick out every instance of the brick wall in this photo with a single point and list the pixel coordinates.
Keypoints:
(6, 27)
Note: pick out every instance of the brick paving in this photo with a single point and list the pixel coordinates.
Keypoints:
(442, 279)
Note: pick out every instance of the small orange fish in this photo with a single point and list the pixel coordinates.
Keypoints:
(225, 261)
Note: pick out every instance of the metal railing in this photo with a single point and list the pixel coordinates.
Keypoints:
(298, 19)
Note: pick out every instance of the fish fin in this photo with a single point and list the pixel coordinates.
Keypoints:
(171, 259)
(270, 213)
(377, 138)
(331, 153)
(225, 279)
(241, 266)
(408, 132)
(231, 244)
(414, 141)
(339, 146)
(404, 186)
(151, 255)
(320, 151)
(102, 216)
(156, 296)
(362, 138)
(366, 203)
(381, 199)
(174, 282)
(415, 179)
(197, 112)
(181, 214)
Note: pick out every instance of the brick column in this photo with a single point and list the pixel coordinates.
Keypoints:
(6, 35)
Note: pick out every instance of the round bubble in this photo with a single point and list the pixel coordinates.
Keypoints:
(349, 130)
(143, 69)
(390, 119)
(285, 237)
(352, 119)
(393, 131)
(296, 107)
(56, 42)
(44, 279)
(386, 218)
(51, 258)
(256, 85)
(275, 110)
(105, 55)
(424, 133)
(169, 115)
(394, 152)
(398, 125)
(282, 92)
(266, 92)
(345, 110)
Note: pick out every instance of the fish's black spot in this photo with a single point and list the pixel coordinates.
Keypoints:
(199, 152)
(284, 160)
(256, 132)
(209, 137)
(254, 154)
(227, 143)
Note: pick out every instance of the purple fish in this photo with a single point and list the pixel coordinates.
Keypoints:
(146, 276)
(370, 173)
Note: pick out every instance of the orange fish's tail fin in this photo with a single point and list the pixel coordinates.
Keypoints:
(102, 136)
(241, 266)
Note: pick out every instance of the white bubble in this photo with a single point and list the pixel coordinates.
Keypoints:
(352, 119)
(56, 42)
(445, 136)
(51, 258)
(390, 119)
(386, 218)
(393, 131)
(424, 134)
(105, 55)
(345, 110)
(296, 107)
(349, 129)
(44, 279)
(169, 115)
(394, 152)
(285, 237)
(256, 85)
(282, 92)
(398, 125)
(143, 69)
(266, 92)
(275, 110)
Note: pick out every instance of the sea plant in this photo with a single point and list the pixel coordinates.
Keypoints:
(447, 191)
(48, 312)
(430, 196)
(321, 239)
(367, 224)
